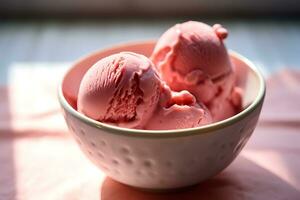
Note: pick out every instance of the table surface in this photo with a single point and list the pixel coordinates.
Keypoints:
(270, 44)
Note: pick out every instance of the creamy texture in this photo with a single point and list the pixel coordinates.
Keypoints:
(125, 90)
(121, 89)
(178, 110)
(192, 56)
(191, 47)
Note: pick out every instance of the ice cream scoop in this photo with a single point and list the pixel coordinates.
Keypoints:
(122, 89)
(192, 56)
(178, 110)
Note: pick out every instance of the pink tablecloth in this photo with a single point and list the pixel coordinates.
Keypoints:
(39, 159)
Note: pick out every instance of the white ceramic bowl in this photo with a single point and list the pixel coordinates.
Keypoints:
(162, 159)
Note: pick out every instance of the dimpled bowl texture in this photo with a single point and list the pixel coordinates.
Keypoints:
(159, 160)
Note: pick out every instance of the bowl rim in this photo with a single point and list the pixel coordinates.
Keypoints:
(163, 133)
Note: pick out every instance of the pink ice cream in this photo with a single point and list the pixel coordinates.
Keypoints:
(125, 90)
(178, 110)
(192, 56)
(122, 89)
(189, 81)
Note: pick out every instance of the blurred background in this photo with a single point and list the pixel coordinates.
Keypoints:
(121, 8)
(63, 30)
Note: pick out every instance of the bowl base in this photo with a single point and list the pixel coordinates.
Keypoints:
(164, 190)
